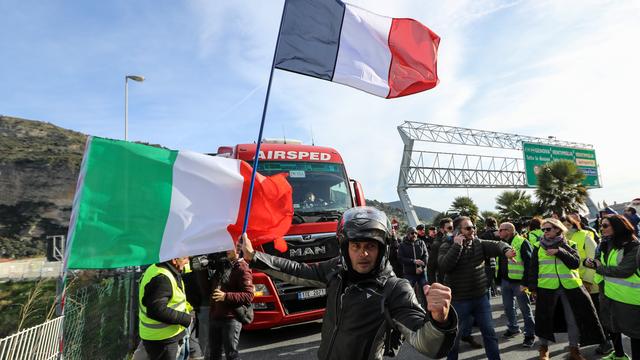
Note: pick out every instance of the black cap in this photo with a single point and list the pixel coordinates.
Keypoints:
(420, 227)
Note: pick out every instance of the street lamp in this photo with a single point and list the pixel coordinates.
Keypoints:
(126, 100)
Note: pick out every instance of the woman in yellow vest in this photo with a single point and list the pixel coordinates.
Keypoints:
(619, 279)
(586, 245)
(563, 304)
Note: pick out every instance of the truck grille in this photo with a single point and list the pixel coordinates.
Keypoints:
(288, 294)
(309, 249)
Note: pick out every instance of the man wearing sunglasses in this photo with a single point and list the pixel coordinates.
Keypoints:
(462, 262)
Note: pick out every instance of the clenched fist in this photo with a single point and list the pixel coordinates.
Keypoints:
(438, 301)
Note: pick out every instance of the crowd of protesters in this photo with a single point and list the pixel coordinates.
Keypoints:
(564, 275)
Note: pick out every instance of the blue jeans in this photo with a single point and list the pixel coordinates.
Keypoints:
(511, 290)
(415, 278)
(466, 327)
(480, 309)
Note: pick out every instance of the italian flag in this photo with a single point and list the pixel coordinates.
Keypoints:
(137, 204)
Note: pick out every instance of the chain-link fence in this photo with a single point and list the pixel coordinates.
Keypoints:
(100, 321)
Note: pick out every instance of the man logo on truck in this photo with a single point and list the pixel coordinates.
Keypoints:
(315, 250)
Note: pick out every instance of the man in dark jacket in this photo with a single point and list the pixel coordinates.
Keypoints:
(427, 238)
(631, 215)
(412, 254)
(444, 230)
(462, 261)
(394, 261)
(232, 286)
(514, 279)
(163, 310)
(360, 288)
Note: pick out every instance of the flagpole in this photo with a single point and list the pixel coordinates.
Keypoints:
(259, 142)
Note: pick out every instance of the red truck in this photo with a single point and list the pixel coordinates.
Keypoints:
(322, 191)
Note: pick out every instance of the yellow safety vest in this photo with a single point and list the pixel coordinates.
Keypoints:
(625, 290)
(579, 237)
(552, 272)
(534, 237)
(516, 269)
(151, 329)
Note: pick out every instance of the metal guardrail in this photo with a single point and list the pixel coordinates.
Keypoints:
(26, 269)
(41, 342)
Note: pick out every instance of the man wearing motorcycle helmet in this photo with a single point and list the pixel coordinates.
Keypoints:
(357, 283)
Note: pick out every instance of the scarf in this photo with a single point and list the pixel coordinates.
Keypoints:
(551, 243)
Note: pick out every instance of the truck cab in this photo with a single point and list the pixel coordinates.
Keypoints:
(322, 191)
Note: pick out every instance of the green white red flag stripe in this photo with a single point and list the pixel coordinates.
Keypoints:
(137, 204)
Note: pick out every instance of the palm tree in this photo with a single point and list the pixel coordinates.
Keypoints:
(515, 204)
(560, 189)
(463, 205)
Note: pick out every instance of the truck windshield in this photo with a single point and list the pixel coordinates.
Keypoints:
(319, 189)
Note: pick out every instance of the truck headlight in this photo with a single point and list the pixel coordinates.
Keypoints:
(260, 290)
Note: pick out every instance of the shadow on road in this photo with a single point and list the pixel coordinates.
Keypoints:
(293, 342)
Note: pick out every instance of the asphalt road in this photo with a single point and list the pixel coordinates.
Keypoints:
(302, 342)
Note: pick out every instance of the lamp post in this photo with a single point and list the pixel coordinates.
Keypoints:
(126, 100)
(131, 270)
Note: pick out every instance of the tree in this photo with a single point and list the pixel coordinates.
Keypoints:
(515, 204)
(440, 216)
(560, 189)
(465, 206)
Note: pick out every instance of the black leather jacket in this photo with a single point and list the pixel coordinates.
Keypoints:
(353, 326)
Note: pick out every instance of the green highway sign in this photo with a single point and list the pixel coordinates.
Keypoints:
(536, 155)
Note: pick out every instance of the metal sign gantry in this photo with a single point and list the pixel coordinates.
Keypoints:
(429, 169)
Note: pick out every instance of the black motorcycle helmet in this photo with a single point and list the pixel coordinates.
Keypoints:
(364, 223)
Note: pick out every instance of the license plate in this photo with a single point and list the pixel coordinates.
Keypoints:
(310, 294)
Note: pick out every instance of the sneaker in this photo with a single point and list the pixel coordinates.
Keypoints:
(509, 334)
(529, 341)
(613, 356)
(471, 341)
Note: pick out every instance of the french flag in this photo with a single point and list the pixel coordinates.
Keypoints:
(342, 43)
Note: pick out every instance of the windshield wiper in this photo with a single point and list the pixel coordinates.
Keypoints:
(326, 215)
(298, 218)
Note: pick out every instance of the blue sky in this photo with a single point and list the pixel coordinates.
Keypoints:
(563, 68)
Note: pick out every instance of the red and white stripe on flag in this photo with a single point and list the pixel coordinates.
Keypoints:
(385, 56)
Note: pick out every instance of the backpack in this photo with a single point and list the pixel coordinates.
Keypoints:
(393, 337)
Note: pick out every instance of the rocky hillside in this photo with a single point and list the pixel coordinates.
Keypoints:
(39, 165)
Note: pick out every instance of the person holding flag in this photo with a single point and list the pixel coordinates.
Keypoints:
(360, 287)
